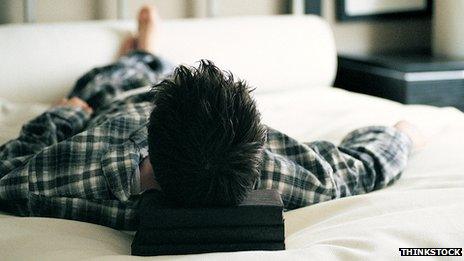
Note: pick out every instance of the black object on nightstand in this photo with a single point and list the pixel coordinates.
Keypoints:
(410, 78)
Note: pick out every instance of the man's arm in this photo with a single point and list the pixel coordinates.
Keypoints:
(60, 122)
(107, 212)
(382, 153)
(305, 174)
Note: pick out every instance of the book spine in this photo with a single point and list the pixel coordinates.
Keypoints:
(180, 249)
(212, 235)
(227, 217)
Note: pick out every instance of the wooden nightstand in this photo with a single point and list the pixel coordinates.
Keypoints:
(407, 78)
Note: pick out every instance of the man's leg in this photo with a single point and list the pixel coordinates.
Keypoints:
(137, 67)
(97, 88)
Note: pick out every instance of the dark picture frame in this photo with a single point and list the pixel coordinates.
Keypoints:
(343, 16)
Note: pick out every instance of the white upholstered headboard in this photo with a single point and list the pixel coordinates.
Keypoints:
(40, 62)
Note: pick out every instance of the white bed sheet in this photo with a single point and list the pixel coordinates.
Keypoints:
(423, 209)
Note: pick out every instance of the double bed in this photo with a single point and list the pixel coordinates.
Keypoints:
(292, 62)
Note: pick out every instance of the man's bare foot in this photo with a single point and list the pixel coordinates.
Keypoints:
(129, 44)
(146, 37)
(418, 139)
(74, 102)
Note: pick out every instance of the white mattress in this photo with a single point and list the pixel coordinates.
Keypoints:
(423, 209)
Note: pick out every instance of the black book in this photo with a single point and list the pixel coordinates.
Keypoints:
(259, 208)
(204, 235)
(181, 249)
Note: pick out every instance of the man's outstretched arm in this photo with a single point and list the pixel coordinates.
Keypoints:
(60, 122)
(381, 153)
(308, 173)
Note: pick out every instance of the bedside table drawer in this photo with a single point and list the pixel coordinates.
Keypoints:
(438, 93)
(432, 87)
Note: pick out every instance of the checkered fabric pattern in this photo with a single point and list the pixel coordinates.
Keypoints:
(68, 164)
(367, 159)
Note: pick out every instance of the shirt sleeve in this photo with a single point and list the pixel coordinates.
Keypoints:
(308, 173)
(383, 152)
(136, 186)
(107, 212)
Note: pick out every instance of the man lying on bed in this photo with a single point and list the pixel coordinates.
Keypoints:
(196, 136)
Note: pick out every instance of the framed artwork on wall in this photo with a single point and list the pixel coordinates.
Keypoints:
(354, 10)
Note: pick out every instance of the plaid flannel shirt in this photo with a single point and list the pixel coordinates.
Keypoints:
(68, 164)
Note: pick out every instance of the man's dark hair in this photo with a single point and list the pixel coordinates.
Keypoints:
(205, 137)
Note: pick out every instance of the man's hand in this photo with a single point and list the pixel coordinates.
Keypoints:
(418, 139)
(74, 102)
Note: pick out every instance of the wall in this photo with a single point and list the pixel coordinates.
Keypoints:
(352, 37)
(11, 11)
(374, 36)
